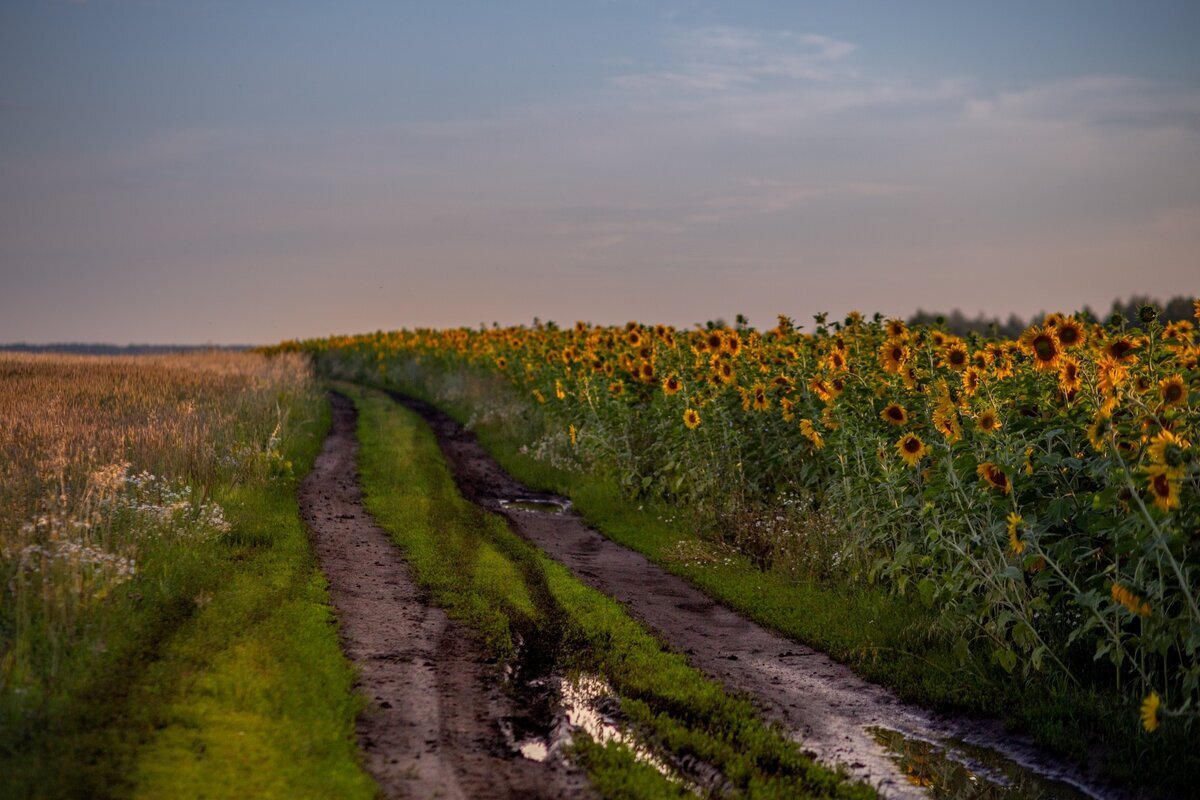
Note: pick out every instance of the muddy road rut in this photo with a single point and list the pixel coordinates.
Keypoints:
(819, 701)
(435, 707)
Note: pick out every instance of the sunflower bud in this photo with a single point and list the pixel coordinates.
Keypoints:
(1148, 313)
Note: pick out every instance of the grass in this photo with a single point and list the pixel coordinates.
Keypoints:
(218, 672)
(890, 639)
(523, 605)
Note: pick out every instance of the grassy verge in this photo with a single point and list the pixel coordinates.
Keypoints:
(219, 675)
(516, 599)
(889, 639)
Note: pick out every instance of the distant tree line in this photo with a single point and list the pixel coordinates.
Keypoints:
(82, 348)
(1177, 308)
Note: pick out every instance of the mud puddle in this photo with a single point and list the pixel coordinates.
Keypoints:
(829, 709)
(557, 709)
(536, 505)
(434, 725)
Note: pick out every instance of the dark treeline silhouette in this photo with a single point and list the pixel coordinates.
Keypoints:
(81, 348)
(1177, 308)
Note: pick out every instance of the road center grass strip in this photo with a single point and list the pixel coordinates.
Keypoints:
(519, 601)
(221, 675)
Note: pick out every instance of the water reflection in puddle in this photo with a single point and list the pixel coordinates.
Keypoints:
(534, 504)
(583, 701)
(954, 769)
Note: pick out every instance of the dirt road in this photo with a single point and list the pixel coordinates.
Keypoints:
(821, 702)
(432, 724)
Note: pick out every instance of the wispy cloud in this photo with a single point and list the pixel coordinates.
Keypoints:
(715, 59)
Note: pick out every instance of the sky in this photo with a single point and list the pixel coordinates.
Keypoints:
(236, 172)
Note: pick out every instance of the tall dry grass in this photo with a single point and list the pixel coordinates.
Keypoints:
(107, 461)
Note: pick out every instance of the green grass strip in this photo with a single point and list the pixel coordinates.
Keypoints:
(507, 590)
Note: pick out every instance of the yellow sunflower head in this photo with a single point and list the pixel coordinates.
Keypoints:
(1015, 543)
(895, 329)
(1043, 346)
(892, 356)
(994, 477)
(672, 385)
(988, 421)
(955, 356)
(1151, 703)
(1173, 391)
(691, 418)
(911, 449)
(895, 414)
(1070, 333)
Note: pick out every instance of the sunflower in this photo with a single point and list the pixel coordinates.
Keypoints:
(1111, 374)
(616, 388)
(910, 376)
(1069, 379)
(723, 371)
(501, 362)
(895, 329)
(785, 407)
(810, 433)
(1132, 603)
(1152, 702)
(1122, 349)
(1070, 333)
(988, 421)
(895, 414)
(1173, 391)
(731, 343)
(634, 338)
(945, 415)
(671, 385)
(537, 395)
(939, 338)
(892, 357)
(1164, 486)
(955, 356)
(994, 476)
(1166, 449)
(836, 360)
(559, 392)
(911, 449)
(971, 379)
(1015, 543)
(1097, 432)
(826, 390)
(713, 340)
(758, 398)
(1043, 345)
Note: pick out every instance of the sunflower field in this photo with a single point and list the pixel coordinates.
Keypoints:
(1042, 493)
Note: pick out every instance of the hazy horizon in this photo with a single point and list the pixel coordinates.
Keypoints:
(224, 173)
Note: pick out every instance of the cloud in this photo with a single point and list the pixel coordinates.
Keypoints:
(1114, 101)
(716, 59)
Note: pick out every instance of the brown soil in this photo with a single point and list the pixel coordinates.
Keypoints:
(435, 709)
(823, 704)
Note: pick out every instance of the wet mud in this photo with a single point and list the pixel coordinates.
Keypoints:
(438, 722)
(835, 715)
